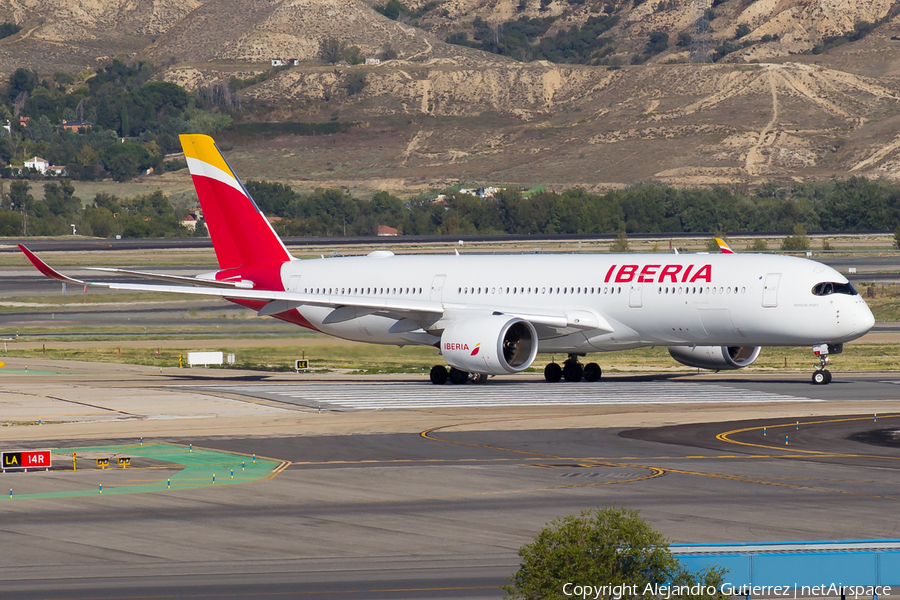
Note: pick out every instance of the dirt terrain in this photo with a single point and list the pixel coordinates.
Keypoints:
(533, 124)
(440, 114)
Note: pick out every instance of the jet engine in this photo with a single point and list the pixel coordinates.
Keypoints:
(497, 345)
(718, 358)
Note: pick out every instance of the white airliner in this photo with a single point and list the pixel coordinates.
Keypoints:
(492, 315)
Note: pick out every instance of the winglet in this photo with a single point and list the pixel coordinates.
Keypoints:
(46, 269)
(724, 247)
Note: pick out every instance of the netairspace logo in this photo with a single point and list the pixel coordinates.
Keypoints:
(618, 592)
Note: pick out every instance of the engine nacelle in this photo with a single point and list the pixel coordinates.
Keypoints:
(718, 358)
(497, 345)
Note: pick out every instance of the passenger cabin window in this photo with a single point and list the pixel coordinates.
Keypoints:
(829, 287)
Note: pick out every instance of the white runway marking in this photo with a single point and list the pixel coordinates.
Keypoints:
(374, 396)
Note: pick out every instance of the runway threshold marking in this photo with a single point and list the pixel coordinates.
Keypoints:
(198, 465)
(388, 396)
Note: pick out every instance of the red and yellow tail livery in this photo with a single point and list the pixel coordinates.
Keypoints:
(241, 234)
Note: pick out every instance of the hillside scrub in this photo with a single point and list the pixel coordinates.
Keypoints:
(854, 204)
(144, 216)
(120, 103)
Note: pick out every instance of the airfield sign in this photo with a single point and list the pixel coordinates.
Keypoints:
(25, 459)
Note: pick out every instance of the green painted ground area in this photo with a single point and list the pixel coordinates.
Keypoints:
(198, 468)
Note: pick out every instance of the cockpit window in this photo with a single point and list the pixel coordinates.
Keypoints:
(829, 287)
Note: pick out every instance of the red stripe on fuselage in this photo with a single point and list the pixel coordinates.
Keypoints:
(291, 316)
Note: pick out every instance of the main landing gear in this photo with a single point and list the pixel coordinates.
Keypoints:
(439, 376)
(572, 371)
(822, 376)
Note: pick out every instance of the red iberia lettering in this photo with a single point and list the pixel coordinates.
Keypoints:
(455, 346)
(670, 271)
(647, 273)
(703, 274)
(687, 272)
(609, 273)
(626, 273)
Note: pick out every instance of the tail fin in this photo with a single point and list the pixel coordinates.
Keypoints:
(724, 247)
(241, 234)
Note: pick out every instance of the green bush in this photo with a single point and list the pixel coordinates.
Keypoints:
(610, 546)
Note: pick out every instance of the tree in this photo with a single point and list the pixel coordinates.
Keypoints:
(124, 126)
(353, 55)
(21, 81)
(659, 42)
(356, 82)
(273, 199)
(124, 161)
(621, 243)
(797, 242)
(61, 200)
(610, 546)
(742, 30)
(20, 199)
(7, 29)
(331, 50)
(201, 230)
(208, 123)
(759, 245)
(392, 9)
(387, 53)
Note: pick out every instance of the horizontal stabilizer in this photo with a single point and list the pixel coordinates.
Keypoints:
(177, 279)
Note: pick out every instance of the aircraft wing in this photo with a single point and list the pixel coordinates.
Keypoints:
(176, 278)
(422, 312)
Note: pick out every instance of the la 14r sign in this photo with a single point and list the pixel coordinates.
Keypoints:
(25, 459)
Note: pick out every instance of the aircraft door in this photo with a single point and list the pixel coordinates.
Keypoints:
(770, 290)
(437, 288)
(294, 283)
(635, 295)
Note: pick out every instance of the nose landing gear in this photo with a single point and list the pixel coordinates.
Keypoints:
(822, 376)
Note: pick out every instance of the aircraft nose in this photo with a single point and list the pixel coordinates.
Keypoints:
(864, 320)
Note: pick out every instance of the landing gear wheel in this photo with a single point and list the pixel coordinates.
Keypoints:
(553, 372)
(458, 377)
(573, 372)
(438, 375)
(821, 377)
(592, 372)
(479, 377)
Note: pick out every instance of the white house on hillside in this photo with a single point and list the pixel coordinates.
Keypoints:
(37, 163)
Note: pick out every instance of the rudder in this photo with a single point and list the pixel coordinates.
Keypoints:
(240, 233)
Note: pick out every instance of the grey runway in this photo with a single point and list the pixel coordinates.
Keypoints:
(386, 396)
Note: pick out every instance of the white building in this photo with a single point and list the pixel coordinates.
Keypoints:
(189, 222)
(37, 163)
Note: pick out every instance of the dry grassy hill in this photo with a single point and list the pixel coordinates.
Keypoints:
(542, 123)
(442, 113)
(76, 34)
(798, 24)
